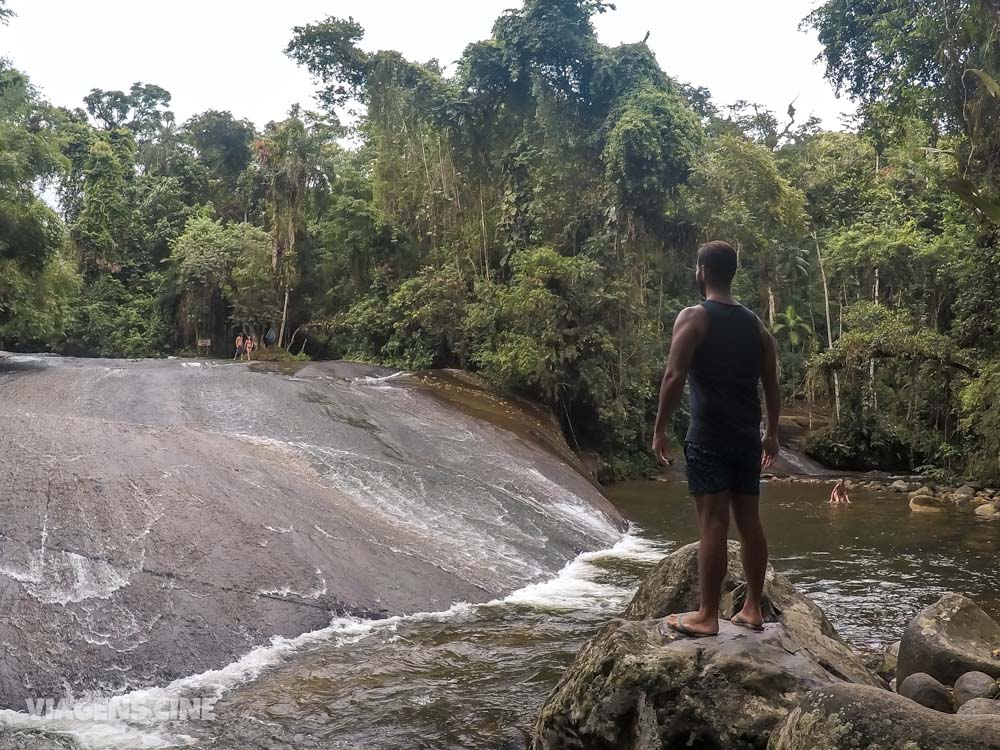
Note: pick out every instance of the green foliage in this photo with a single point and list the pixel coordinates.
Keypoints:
(35, 281)
(106, 224)
(36, 308)
(901, 383)
(115, 320)
(980, 405)
(650, 150)
(532, 213)
(212, 261)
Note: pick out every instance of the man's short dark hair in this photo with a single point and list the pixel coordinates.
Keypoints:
(719, 260)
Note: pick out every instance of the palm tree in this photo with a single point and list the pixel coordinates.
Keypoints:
(792, 264)
(794, 329)
(289, 155)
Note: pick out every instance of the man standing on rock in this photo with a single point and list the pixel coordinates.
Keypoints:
(725, 352)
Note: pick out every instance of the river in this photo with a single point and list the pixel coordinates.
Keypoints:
(474, 676)
(153, 528)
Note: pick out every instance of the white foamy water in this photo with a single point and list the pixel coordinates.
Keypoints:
(377, 380)
(484, 530)
(64, 577)
(577, 587)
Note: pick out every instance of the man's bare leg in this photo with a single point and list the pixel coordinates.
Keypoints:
(713, 560)
(746, 512)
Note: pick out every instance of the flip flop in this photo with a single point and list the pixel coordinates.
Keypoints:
(742, 623)
(682, 629)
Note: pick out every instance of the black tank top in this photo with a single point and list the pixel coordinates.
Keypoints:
(724, 378)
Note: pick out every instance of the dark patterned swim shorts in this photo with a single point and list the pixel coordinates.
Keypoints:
(713, 469)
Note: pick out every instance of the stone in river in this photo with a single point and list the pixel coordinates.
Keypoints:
(980, 707)
(673, 587)
(928, 692)
(989, 510)
(885, 663)
(929, 504)
(973, 685)
(857, 717)
(634, 688)
(948, 639)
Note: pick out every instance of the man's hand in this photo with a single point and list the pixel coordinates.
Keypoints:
(771, 449)
(661, 449)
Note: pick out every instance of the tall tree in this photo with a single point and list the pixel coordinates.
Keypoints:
(289, 155)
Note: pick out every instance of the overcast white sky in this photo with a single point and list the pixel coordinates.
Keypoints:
(227, 54)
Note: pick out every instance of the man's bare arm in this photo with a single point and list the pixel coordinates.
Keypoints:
(772, 397)
(689, 329)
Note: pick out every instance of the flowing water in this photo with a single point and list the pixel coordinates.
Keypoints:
(474, 675)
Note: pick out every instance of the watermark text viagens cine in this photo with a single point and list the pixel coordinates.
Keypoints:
(124, 708)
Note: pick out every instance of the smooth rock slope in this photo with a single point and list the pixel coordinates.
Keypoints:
(162, 518)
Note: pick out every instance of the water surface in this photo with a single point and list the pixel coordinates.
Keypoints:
(475, 676)
(870, 565)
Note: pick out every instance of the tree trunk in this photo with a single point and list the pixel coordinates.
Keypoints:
(873, 396)
(770, 305)
(829, 327)
(284, 320)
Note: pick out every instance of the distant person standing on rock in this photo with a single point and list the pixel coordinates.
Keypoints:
(839, 495)
(251, 345)
(240, 343)
(725, 352)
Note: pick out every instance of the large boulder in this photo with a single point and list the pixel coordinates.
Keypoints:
(948, 639)
(856, 717)
(923, 689)
(673, 587)
(972, 685)
(634, 688)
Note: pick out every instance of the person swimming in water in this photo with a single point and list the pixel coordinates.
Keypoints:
(839, 495)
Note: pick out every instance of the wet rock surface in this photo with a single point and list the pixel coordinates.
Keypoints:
(926, 503)
(948, 639)
(673, 587)
(163, 518)
(857, 717)
(989, 510)
(634, 687)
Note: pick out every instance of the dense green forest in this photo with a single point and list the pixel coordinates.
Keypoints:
(531, 214)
